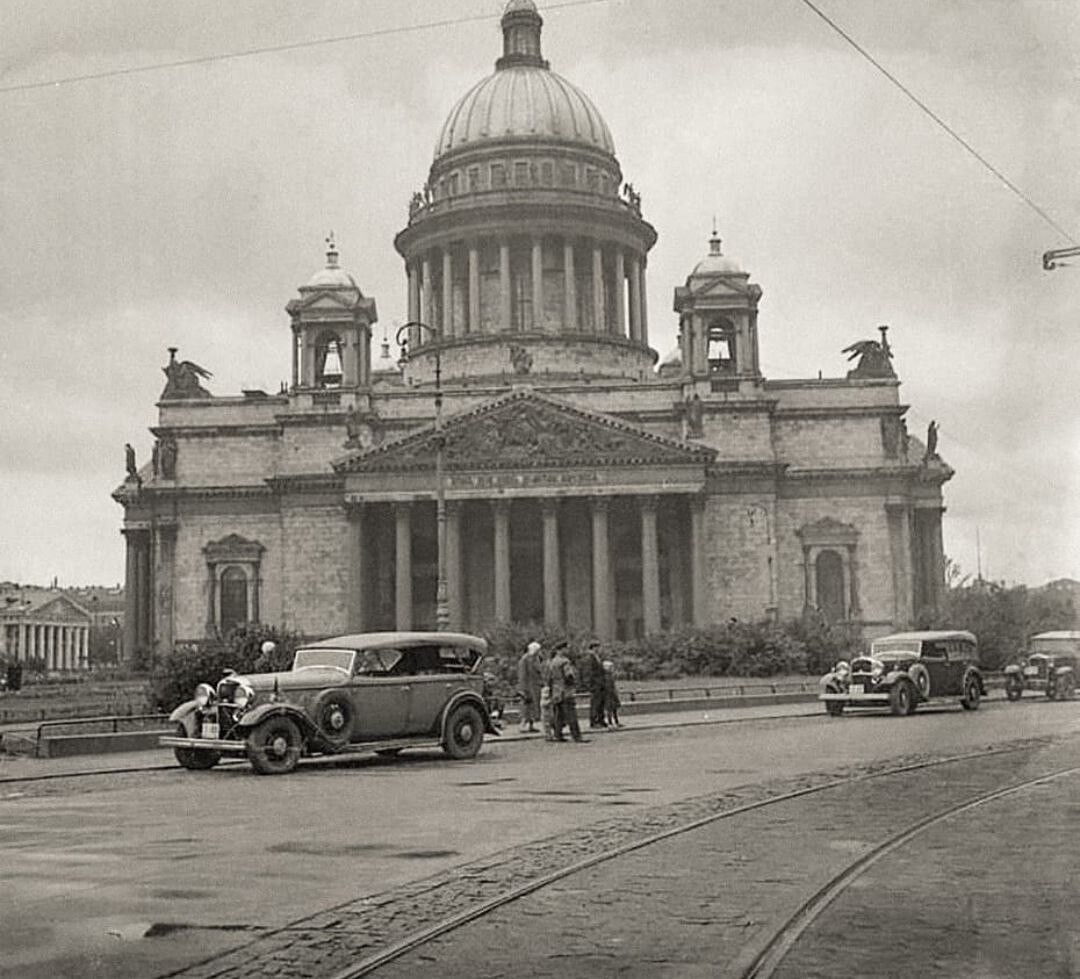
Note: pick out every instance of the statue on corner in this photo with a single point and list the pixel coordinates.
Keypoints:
(875, 357)
(183, 379)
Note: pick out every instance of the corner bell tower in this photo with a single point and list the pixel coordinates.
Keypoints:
(331, 327)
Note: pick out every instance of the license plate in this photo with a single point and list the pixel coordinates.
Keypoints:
(856, 688)
(210, 730)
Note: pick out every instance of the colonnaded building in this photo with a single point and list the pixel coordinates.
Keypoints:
(586, 483)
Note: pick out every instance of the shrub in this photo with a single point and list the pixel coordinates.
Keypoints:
(179, 671)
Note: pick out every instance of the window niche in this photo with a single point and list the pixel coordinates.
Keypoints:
(233, 565)
(329, 370)
(831, 572)
(721, 351)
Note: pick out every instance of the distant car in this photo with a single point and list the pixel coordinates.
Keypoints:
(378, 692)
(905, 670)
(1051, 667)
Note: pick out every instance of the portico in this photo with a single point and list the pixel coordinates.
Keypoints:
(540, 536)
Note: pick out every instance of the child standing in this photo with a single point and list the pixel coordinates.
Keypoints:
(611, 696)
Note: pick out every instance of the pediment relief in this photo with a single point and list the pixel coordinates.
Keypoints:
(60, 609)
(528, 431)
(233, 547)
(721, 289)
(826, 531)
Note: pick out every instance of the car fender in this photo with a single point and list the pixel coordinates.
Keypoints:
(183, 712)
(259, 714)
(1011, 668)
(971, 671)
(467, 697)
(1063, 670)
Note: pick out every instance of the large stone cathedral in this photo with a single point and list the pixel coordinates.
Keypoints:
(584, 481)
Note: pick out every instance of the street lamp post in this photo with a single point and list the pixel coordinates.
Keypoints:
(442, 607)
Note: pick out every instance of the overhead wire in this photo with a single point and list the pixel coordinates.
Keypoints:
(277, 48)
(940, 122)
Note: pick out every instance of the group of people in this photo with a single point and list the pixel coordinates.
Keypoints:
(547, 685)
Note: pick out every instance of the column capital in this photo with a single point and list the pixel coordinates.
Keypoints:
(500, 505)
(649, 502)
(600, 504)
(549, 507)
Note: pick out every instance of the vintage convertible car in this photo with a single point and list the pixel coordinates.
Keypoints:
(905, 670)
(1050, 667)
(378, 692)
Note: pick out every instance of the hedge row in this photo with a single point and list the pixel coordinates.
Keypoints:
(735, 649)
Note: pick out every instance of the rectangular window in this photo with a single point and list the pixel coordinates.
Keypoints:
(498, 175)
(547, 169)
(474, 178)
(568, 175)
(521, 174)
(592, 179)
(453, 185)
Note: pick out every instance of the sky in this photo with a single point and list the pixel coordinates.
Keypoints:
(183, 207)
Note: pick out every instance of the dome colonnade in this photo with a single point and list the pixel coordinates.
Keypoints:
(524, 233)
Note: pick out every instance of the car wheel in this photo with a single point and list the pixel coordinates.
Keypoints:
(901, 698)
(1014, 688)
(1051, 690)
(464, 732)
(194, 759)
(834, 708)
(334, 717)
(273, 747)
(972, 693)
(920, 677)
(1065, 688)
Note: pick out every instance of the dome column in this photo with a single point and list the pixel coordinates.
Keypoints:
(643, 304)
(620, 293)
(428, 304)
(635, 299)
(474, 288)
(538, 284)
(448, 292)
(504, 286)
(570, 324)
(598, 287)
(414, 294)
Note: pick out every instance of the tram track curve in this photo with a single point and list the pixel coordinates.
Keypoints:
(786, 937)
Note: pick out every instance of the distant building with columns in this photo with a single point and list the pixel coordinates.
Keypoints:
(45, 626)
(586, 484)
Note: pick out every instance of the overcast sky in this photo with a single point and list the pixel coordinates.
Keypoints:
(184, 206)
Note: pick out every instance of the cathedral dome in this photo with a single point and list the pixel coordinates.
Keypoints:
(523, 98)
(524, 102)
(332, 276)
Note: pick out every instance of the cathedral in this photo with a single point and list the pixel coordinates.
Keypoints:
(524, 453)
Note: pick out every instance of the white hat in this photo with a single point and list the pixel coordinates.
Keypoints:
(533, 647)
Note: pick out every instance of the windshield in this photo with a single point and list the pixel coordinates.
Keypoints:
(340, 659)
(1050, 647)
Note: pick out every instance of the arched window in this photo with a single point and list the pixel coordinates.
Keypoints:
(234, 598)
(721, 347)
(328, 366)
(829, 572)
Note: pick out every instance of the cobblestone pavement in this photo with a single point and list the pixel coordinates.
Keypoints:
(705, 902)
(696, 901)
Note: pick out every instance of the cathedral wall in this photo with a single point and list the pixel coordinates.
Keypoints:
(311, 448)
(873, 554)
(737, 551)
(225, 460)
(816, 442)
(315, 569)
(192, 591)
(738, 436)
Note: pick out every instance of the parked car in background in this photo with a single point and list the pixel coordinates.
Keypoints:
(906, 669)
(1050, 667)
(380, 692)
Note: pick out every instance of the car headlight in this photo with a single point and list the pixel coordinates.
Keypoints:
(243, 695)
(842, 669)
(204, 694)
(877, 669)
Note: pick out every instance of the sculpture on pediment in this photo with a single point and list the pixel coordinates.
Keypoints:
(183, 379)
(129, 461)
(521, 360)
(694, 413)
(931, 442)
(416, 202)
(632, 198)
(167, 452)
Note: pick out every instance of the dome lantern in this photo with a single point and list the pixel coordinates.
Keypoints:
(521, 24)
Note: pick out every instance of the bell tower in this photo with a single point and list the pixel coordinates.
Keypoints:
(718, 319)
(331, 327)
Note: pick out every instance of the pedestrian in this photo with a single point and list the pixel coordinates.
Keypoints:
(562, 681)
(530, 680)
(611, 696)
(594, 677)
(547, 714)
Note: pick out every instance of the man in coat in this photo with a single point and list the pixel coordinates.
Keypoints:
(562, 679)
(530, 680)
(594, 676)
